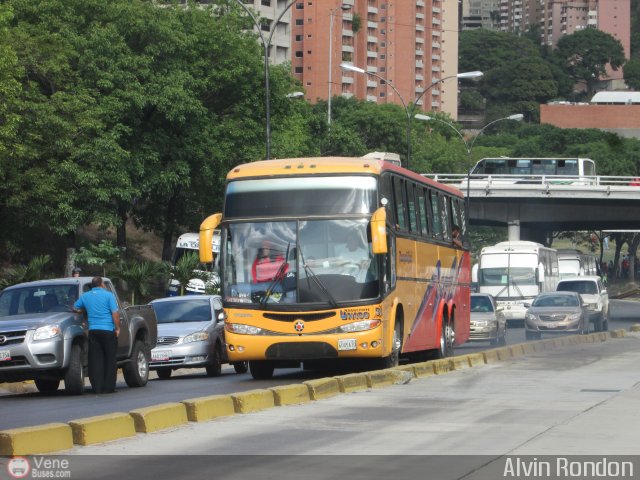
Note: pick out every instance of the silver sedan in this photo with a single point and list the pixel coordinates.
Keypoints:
(190, 335)
(487, 320)
(556, 312)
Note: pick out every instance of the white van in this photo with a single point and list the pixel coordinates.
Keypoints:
(190, 242)
(515, 273)
(594, 295)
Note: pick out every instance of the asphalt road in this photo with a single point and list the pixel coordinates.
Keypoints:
(32, 408)
(578, 400)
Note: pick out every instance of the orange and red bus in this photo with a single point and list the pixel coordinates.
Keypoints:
(339, 258)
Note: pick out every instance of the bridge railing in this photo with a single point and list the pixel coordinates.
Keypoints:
(483, 180)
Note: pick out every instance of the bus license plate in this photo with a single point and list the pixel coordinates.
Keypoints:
(161, 355)
(5, 355)
(347, 344)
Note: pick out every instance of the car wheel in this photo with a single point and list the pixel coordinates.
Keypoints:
(605, 324)
(214, 369)
(261, 369)
(74, 376)
(503, 338)
(240, 367)
(164, 373)
(136, 372)
(47, 386)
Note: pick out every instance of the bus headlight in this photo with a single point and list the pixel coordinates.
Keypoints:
(46, 332)
(243, 329)
(358, 326)
(196, 337)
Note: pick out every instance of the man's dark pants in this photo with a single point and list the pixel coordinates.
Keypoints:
(102, 360)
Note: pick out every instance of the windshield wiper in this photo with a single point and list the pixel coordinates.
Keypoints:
(317, 281)
(513, 282)
(276, 279)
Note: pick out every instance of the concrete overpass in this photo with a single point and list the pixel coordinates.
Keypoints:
(531, 206)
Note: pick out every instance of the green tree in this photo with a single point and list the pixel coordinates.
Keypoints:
(586, 53)
(632, 73)
(138, 276)
(34, 270)
(186, 268)
(98, 255)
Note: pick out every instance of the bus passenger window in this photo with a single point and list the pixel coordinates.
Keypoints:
(422, 210)
(413, 221)
(435, 215)
(444, 211)
(398, 197)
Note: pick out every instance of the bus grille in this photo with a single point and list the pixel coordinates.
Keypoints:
(300, 351)
(305, 317)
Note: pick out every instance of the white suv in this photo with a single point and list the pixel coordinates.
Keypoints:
(593, 294)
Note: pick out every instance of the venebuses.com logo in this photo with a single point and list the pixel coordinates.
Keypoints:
(38, 467)
(18, 467)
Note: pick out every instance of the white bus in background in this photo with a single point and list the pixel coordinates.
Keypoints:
(517, 170)
(515, 273)
(189, 243)
(573, 262)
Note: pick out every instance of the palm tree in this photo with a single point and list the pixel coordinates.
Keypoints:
(138, 277)
(187, 268)
(34, 270)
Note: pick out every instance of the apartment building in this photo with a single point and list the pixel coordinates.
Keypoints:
(406, 45)
(480, 14)
(267, 12)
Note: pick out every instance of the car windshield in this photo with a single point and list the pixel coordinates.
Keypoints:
(48, 298)
(299, 262)
(481, 304)
(578, 286)
(555, 301)
(191, 309)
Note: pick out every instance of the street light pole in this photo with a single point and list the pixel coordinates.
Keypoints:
(266, 43)
(409, 108)
(344, 7)
(468, 146)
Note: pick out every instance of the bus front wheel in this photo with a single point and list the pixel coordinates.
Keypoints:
(261, 369)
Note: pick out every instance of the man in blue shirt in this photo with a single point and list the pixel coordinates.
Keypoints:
(104, 328)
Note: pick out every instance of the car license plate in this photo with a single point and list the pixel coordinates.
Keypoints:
(160, 356)
(5, 355)
(347, 344)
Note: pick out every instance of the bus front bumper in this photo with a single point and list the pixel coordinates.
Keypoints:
(366, 344)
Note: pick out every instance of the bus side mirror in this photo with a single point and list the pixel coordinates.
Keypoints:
(474, 273)
(206, 237)
(379, 231)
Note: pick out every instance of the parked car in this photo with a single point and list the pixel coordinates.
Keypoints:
(42, 339)
(556, 312)
(190, 335)
(595, 296)
(487, 320)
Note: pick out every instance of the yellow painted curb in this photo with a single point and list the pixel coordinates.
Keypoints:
(602, 336)
(102, 428)
(528, 348)
(253, 400)
(380, 378)
(490, 356)
(407, 368)
(352, 382)
(458, 363)
(618, 333)
(475, 359)
(440, 366)
(322, 388)
(548, 344)
(47, 438)
(290, 394)
(159, 417)
(207, 408)
(503, 353)
(516, 350)
(423, 369)
(635, 327)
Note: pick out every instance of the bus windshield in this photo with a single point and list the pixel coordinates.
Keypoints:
(322, 262)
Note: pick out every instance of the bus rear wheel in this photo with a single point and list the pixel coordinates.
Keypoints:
(446, 339)
(261, 369)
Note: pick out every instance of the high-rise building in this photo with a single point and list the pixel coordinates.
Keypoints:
(268, 11)
(407, 44)
(480, 14)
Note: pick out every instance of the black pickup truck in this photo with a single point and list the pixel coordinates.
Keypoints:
(42, 339)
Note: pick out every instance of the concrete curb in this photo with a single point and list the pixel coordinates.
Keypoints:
(207, 408)
(46, 438)
(159, 417)
(56, 437)
(102, 428)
